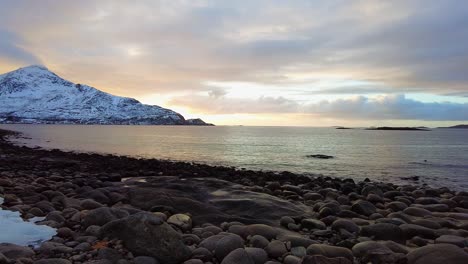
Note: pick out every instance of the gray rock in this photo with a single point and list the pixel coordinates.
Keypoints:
(193, 261)
(110, 254)
(286, 220)
(263, 230)
(290, 259)
(454, 240)
(259, 241)
(202, 253)
(311, 223)
(299, 251)
(363, 208)
(317, 259)
(362, 249)
(437, 254)
(90, 204)
(297, 241)
(227, 244)
(147, 235)
(50, 248)
(182, 221)
(145, 260)
(411, 230)
(210, 242)
(102, 216)
(52, 261)
(13, 251)
(276, 249)
(396, 206)
(238, 256)
(345, 224)
(258, 255)
(329, 251)
(416, 211)
(383, 232)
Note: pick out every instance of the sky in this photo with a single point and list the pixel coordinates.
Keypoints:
(256, 62)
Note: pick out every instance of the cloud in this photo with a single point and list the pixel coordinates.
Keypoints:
(176, 47)
(11, 50)
(383, 107)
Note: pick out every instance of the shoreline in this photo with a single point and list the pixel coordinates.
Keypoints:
(105, 207)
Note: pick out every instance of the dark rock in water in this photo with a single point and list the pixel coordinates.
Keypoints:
(438, 254)
(319, 156)
(147, 235)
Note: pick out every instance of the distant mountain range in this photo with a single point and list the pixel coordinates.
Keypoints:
(457, 127)
(36, 95)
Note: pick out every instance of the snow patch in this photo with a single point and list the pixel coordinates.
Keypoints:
(17, 231)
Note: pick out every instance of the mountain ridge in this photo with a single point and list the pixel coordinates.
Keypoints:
(33, 94)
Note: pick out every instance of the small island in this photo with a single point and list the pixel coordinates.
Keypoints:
(399, 128)
(457, 127)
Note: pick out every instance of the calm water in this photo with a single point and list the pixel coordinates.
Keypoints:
(378, 155)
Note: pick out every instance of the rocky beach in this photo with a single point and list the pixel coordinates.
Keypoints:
(115, 209)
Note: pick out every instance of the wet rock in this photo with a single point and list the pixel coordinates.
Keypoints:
(52, 261)
(362, 249)
(290, 259)
(210, 242)
(109, 254)
(317, 259)
(383, 232)
(90, 204)
(416, 211)
(202, 253)
(227, 244)
(396, 206)
(411, 230)
(258, 255)
(296, 240)
(147, 235)
(329, 251)
(102, 216)
(454, 240)
(238, 256)
(263, 230)
(436, 254)
(286, 220)
(258, 241)
(311, 223)
(363, 208)
(50, 248)
(345, 224)
(182, 221)
(13, 251)
(276, 249)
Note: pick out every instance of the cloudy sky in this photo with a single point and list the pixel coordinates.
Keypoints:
(256, 62)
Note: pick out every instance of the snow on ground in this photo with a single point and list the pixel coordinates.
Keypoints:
(17, 231)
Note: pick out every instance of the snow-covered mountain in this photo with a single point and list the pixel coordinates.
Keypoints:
(34, 94)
